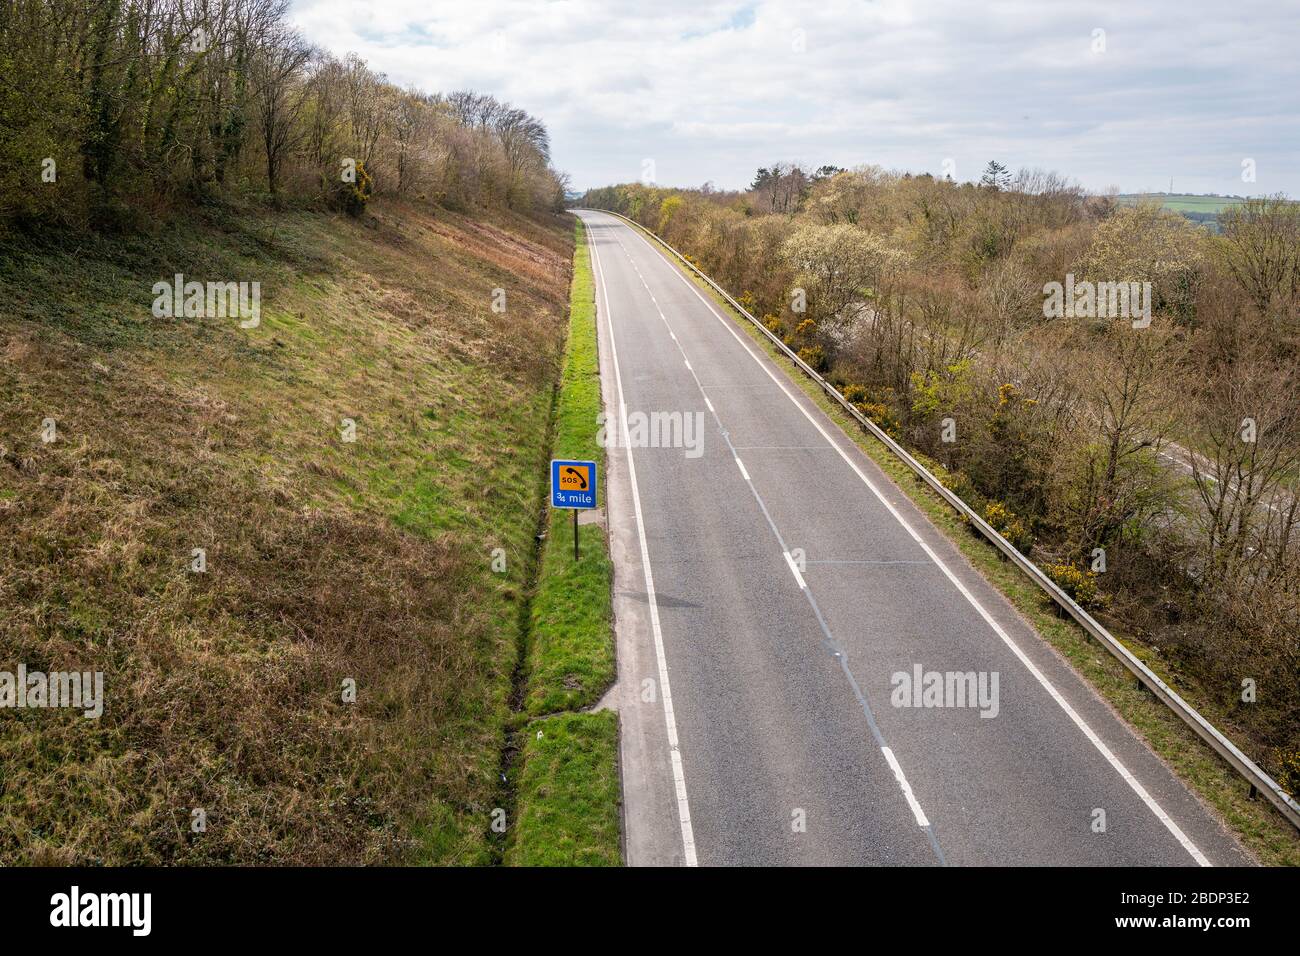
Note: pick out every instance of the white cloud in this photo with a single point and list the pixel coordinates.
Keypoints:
(712, 90)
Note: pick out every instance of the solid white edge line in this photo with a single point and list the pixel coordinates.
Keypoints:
(907, 787)
(665, 689)
(794, 569)
(1047, 685)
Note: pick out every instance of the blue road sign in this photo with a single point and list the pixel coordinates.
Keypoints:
(573, 484)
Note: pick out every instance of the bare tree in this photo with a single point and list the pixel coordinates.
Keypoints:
(525, 144)
(1121, 421)
(1245, 460)
(1261, 248)
(363, 103)
(275, 68)
(411, 121)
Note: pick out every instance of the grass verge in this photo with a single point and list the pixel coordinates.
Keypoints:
(567, 797)
(1259, 827)
(571, 652)
(569, 793)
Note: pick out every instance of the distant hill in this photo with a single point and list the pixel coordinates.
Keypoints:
(1200, 209)
(1185, 202)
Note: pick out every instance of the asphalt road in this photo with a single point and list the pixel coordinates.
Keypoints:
(771, 582)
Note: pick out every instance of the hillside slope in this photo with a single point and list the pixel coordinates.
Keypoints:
(327, 560)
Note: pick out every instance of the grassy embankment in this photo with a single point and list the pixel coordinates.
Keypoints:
(568, 790)
(1256, 823)
(327, 560)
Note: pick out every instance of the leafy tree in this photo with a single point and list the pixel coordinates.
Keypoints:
(838, 265)
(1145, 243)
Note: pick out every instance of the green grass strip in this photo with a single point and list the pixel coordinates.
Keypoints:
(569, 793)
(571, 648)
(567, 799)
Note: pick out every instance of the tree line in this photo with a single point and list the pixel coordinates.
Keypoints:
(1151, 464)
(116, 112)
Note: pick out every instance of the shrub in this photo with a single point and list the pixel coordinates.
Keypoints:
(353, 197)
(875, 405)
(1006, 523)
(882, 416)
(1079, 584)
(815, 356)
(957, 483)
(1288, 763)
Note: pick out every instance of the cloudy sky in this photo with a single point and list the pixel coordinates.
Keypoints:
(1125, 94)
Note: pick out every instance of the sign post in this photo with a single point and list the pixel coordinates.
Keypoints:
(573, 486)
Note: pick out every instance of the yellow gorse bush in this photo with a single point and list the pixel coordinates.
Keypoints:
(1079, 584)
